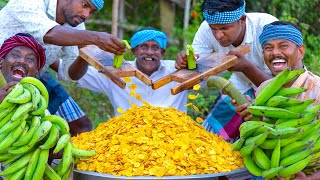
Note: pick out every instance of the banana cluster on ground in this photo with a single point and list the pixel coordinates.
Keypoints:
(287, 141)
(27, 135)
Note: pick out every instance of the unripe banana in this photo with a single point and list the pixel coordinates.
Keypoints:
(263, 129)
(42, 107)
(23, 98)
(52, 139)
(41, 132)
(281, 101)
(11, 160)
(24, 132)
(251, 166)
(295, 168)
(259, 139)
(294, 74)
(12, 136)
(18, 174)
(4, 113)
(271, 143)
(13, 124)
(313, 109)
(271, 88)
(21, 149)
(238, 144)
(58, 169)
(313, 136)
(66, 158)
(32, 164)
(41, 165)
(5, 156)
(246, 150)
(79, 153)
(35, 123)
(15, 92)
(309, 128)
(285, 132)
(6, 119)
(22, 110)
(36, 82)
(272, 112)
(292, 148)
(316, 146)
(35, 94)
(190, 57)
(62, 142)
(50, 173)
(293, 158)
(249, 127)
(272, 172)
(17, 165)
(261, 159)
(301, 107)
(290, 91)
(275, 157)
(63, 124)
(65, 176)
(306, 119)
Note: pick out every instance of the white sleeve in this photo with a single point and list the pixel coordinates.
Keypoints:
(94, 81)
(69, 54)
(31, 14)
(202, 41)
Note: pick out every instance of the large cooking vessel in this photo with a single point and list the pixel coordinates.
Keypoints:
(87, 175)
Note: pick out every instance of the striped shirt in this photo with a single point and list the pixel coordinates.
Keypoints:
(306, 80)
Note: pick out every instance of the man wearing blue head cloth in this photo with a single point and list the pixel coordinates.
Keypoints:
(148, 46)
(227, 26)
(283, 47)
(58, 25)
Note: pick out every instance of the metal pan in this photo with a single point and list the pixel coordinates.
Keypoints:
(87, 175)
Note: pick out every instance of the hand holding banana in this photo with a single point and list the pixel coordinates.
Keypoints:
(27, 134)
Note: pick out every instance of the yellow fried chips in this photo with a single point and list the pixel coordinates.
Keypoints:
(155, 141)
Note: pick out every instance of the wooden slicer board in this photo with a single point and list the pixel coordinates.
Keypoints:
(103, 62)
(208, 66)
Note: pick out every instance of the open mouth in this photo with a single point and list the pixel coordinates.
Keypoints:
(19, 72)
(279, 64)
(148, 59)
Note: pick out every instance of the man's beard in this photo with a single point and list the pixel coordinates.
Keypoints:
(70, 21)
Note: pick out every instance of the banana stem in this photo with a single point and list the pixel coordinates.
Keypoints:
(229, 89)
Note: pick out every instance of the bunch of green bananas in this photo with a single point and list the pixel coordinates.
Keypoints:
(27, 135)
(288, 140)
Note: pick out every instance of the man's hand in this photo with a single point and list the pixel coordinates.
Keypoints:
(182, 61)
(302, 176)
(243, 62)
(110, 43)
(243, 109)
(4, 90)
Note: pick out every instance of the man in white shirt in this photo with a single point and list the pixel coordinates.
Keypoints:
(227, 26)
(148, 47)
